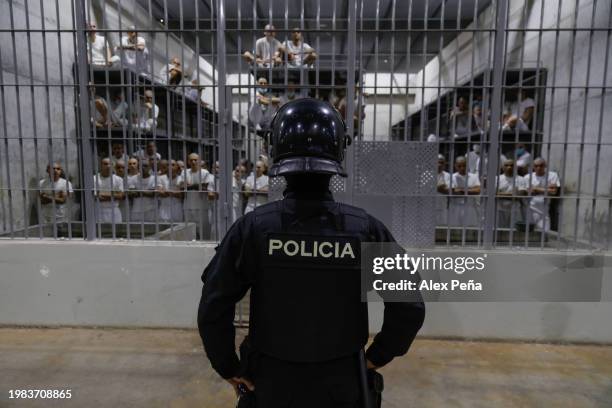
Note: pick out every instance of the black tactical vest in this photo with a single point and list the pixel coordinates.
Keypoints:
(305, 300)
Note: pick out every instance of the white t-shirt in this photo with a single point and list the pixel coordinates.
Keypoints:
(163, 181)
(194, 200)
(147, 119)
(134, 58)
(170, 208)
(255, 200)
(50, 187)
(539, 202)
(444, 178)
(505, 184)
(236, 198)
(298, 52)
(464, 210)
(524, 160)
(142, 204)
(473, 159)
(131, 181)
(463, 182)
(164, 73)
(266, 49)
(113, 183)
(213, 183)
(168, 184)
(98, 50)
(214, 210)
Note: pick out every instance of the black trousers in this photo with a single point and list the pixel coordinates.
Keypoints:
(329, 384)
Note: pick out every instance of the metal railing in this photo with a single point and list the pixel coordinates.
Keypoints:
(152, 116)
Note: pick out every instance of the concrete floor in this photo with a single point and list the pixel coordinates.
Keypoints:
(167, 368)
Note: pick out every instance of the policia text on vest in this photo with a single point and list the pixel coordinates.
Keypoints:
(314, 248)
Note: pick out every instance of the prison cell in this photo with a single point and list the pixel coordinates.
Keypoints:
(90, 87)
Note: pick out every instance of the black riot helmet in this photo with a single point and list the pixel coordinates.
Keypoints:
(308, 136)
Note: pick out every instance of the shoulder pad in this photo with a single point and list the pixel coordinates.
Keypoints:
(267, 208)
(347, 209)
(267, 216)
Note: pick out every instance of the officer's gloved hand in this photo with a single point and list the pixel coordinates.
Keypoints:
(236, 381)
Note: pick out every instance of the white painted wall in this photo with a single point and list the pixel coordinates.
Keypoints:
(386, 103)
(157, 284)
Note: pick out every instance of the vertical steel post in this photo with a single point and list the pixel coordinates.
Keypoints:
(350, 93)
(495, 127)
(85, 130)
(224, 127)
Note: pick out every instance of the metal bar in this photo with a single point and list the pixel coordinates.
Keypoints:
(438, 117)
(450, 87)
(415, 30)
(600, 135)
(466, 198)
(583, 129)
(471, 119)
(408, 61)
(533, 130)
(516, 129)
(63, 115)
(423, 113)
(75, 102)
(34, 117)
(350, 94)
(567, 111)
(333, 62)
(50, 159)
(374, 115)
(225, 134)
(19, 128)
(6, 153)
(553, 94)
(318, 42)
(85, 130)
(302, 73)
(494, 130)
(284, 42)
(362, 71)
(183, 103)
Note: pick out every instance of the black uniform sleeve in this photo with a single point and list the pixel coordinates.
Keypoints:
(226, 281)
(402, 320)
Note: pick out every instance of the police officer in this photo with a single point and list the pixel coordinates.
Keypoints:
(300, 258)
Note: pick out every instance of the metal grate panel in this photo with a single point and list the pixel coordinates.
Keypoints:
(395, 168)
(413, 221)
(277, 186)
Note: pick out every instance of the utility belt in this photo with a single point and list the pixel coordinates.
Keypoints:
(371, 381)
